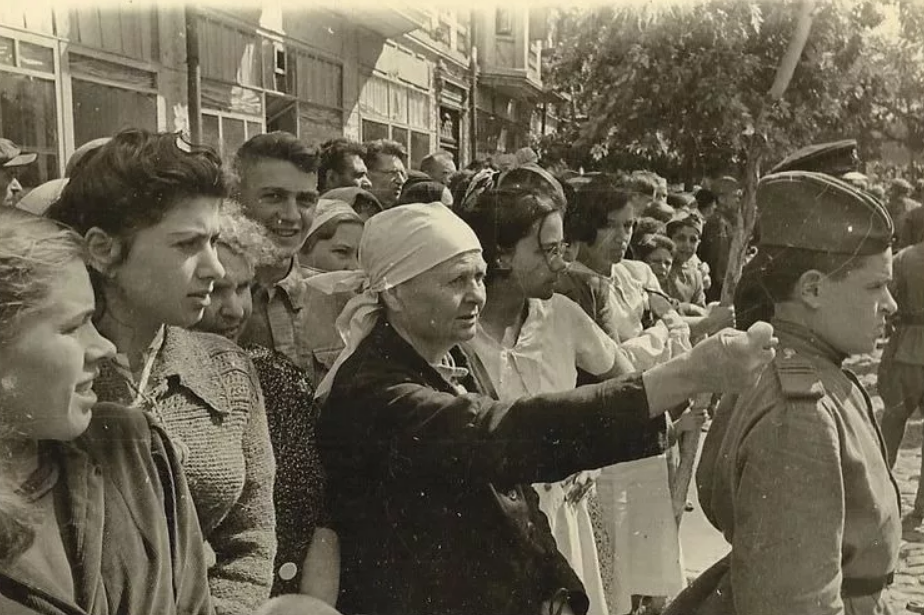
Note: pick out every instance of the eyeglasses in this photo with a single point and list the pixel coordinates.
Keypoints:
(393, 174)
(554, 251)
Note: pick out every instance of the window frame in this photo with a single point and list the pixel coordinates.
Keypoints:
(62, 123)
(392, 124)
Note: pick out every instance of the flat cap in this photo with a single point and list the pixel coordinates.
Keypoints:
(834, 158)
(11, 155)
(814, 211)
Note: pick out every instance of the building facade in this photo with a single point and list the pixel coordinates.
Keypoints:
(464, 81)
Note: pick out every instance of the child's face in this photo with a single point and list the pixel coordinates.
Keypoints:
(660, 261)
(686, 240)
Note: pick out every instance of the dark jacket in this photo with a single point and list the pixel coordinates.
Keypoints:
(426, 484)
(131, 529)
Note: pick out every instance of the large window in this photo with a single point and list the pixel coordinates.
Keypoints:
(289, 87)
(28, 105)
(393, 110)
(102, 110)
(226, 132)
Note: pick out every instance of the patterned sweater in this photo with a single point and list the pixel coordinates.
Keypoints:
(204, 390)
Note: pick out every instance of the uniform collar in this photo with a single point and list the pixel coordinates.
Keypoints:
(802, 339)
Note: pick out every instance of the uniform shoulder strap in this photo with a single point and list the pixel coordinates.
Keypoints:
(798, 377)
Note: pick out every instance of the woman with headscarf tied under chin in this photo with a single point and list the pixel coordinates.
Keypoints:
(429, 474)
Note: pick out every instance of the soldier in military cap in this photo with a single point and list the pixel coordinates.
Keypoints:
(794, 472)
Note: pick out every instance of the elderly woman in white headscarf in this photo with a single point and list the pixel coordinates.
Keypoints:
(428, 473)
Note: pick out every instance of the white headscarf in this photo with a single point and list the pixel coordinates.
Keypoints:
(397, 245)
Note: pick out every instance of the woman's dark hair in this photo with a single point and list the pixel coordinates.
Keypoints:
(770, 277)
(502, 217)
(425, 191)
(533, 178)
(132, 182)
(592, 205)
(647, 244)
(135, 179)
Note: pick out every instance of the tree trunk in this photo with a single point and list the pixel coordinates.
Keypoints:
(746, 216)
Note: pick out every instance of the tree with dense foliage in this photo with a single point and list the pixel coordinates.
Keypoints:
(678, 88)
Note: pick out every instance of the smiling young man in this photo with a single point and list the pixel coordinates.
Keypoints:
(794, 472)
(278, 187)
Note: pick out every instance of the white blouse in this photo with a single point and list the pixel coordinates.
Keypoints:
(556, 338)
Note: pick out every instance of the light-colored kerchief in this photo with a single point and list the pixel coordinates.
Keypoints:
(328, 209)
(397, 245)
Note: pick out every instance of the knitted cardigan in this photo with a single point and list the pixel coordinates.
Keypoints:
(204, 390)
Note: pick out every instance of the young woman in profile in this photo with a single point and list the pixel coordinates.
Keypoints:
(95, 513)
(148, 206)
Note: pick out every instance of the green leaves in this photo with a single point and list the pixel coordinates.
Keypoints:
(677, 88)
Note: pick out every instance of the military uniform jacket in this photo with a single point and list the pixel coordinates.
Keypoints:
(796, 478)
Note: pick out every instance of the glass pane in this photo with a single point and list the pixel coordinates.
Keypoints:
(254, 128)
(400, 135)
(420, 147)
(43, 169)
(374, 130)
(317, 124)
(29, 117)
(232, 135)
(210, 135)
(7, 51)
(102, 110)
(398, 106)
(36, 57)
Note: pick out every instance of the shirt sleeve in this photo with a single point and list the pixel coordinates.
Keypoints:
(594, 351)
(789, 514)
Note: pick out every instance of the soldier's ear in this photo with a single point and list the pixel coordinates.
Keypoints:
(809, 287)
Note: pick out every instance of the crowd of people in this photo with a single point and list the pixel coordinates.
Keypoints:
(317, 381)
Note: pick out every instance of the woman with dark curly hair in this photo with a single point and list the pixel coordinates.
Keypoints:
(148, 206)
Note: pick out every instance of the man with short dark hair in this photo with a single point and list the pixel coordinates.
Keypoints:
(342, 165)
(278, 179)
(439, 166)
(386, 161)
(11, 159)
